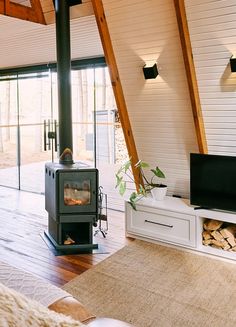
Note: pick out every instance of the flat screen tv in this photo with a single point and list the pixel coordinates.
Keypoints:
(213, 181)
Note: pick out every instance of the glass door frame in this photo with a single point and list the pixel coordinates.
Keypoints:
(20, 73)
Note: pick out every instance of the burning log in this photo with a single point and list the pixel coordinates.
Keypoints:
(219, 234)
(68, 240)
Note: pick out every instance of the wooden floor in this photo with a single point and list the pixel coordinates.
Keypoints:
(23, 221)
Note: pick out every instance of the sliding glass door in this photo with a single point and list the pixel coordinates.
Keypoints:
(35, 106)
(25, 102)
(9, 164)
(28, 104)
(97, 133)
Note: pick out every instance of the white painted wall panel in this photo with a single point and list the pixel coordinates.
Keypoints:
(213, 36)
(26, 43)
(159, 109)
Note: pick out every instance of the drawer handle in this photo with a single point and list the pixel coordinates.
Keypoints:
(153, 222)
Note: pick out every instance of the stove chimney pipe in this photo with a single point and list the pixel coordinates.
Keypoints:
(62, 10)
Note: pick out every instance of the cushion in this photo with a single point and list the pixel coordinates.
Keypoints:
(17, 310)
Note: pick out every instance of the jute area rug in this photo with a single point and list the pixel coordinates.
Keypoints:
(151, 285)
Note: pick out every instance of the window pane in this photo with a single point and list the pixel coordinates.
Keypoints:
(34, 108)
(8, 134)
(110, 145)
(83, 115)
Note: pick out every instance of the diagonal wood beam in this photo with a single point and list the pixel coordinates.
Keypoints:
(191, 74)
(117, 87)
(16, 10)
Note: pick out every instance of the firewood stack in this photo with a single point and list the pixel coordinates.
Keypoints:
(219, 234)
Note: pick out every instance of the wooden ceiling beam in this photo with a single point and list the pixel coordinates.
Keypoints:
(116, 84)
(191, 74)
(2, 7)
(16, 10)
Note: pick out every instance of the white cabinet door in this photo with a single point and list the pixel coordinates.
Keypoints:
(163, 225)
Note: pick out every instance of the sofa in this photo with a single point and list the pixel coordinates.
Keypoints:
(25, 292)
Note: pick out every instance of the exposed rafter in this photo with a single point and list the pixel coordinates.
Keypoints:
(191, 75)
(32, 13)
(116, 84)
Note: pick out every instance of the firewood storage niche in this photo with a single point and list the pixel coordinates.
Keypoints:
(219, 234)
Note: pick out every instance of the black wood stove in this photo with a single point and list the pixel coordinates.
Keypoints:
(71, 199)
(71, 189)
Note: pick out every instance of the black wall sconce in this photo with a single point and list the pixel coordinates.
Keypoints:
(233, 64)
(150, 71)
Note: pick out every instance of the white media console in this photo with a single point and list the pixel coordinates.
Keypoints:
(174, 221)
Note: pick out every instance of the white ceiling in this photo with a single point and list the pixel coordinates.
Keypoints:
(25, 43)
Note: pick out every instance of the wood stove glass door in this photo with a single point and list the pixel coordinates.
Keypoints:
(78, 192)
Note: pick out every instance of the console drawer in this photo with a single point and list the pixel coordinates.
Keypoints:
(161, 225)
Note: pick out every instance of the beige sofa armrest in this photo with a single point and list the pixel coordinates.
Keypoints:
(69, 306)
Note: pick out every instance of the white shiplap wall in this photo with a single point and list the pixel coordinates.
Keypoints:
(25, 43)
(212, 26)
(159, 109)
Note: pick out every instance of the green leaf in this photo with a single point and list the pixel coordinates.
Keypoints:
(133, 196)
(142, 190)
(123, 169)
(133, 205)
(144, 164)
(127, 165)
(119, 179)
(120, 170)
(141, 164)
(122, 188)
(157, 172)
(132, 200)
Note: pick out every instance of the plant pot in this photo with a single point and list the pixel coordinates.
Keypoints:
(159, 192)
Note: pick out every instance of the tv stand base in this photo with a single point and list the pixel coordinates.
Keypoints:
(173, 221)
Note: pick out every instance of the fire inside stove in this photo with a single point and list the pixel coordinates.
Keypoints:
(77, 193)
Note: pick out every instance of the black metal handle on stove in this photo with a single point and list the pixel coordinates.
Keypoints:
(155, 223)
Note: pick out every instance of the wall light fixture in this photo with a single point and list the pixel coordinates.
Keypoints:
(233, 64)
(150, 71)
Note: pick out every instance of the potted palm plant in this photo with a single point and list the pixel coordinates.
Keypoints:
(145, 186)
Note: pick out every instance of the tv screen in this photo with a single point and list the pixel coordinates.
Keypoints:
(213, 181)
